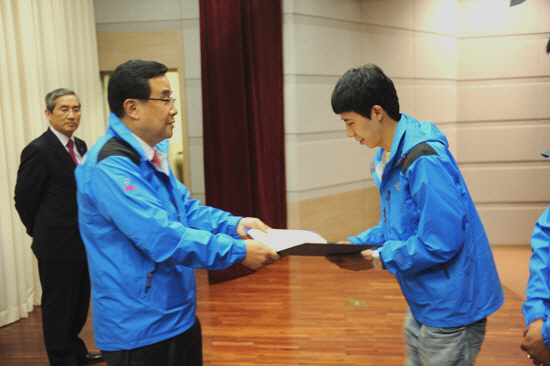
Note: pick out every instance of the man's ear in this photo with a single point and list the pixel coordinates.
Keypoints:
(131, 108)
(48, 114)
(378, 112)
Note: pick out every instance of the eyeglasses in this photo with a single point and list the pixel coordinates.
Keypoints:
(171, 101)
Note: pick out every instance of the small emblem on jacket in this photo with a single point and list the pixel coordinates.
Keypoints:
(396, 185)
(128, 185)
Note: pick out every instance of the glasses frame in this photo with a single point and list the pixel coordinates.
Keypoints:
(171, 100)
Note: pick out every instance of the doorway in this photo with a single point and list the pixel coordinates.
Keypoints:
(165, 47)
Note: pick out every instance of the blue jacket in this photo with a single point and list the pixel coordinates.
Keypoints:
(144, 236)
(537, 304)
(431, 236)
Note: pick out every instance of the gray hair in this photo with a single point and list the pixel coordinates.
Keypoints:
(52, 96)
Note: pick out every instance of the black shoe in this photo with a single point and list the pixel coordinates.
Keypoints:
(90, 359)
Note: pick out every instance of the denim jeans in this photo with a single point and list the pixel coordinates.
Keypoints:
(427, 346)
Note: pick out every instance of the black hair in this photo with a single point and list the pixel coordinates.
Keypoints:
(359, 89)
(131, 80)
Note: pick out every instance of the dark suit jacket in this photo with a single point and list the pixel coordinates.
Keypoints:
(45, 198)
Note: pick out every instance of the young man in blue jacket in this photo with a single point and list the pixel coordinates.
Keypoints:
(143, 234)
(430, 235)
(536, 307)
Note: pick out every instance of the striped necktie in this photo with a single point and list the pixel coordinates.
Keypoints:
(156, 161)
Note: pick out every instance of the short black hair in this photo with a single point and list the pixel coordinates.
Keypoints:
(359, 89)
(131, 80)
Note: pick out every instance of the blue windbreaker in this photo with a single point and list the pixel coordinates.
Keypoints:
(431, 236)
(144, 236)
(537, 304)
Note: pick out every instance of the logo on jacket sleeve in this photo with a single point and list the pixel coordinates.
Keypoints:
(128, 185)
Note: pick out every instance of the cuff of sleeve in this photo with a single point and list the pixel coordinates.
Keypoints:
(233, 222)
(354, 240)
(390, 267)
(381, 258)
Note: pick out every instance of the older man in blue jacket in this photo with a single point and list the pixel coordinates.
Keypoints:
(431, 237)
(143, 234)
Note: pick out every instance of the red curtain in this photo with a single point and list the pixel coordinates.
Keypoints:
(243, 119)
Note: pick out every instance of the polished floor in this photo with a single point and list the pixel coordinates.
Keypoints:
(306, 311)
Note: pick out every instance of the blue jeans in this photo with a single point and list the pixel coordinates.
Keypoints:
(427, 346)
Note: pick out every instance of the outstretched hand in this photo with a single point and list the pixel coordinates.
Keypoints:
(250, 223)
(353, 262)
(533, 344)
(258, 255)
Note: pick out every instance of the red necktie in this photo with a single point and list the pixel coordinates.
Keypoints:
(70, 144)
(156, 161)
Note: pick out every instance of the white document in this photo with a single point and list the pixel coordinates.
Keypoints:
(280, 239)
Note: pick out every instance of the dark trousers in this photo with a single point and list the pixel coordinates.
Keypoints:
(65, 304)
(182, 350)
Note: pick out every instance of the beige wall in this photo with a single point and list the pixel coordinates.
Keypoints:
(476, 68)
(414, 42)
(504, 113)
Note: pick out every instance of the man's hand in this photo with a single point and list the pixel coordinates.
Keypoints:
(250, 223)
(258, 255)
(533, 344)
(357, 262)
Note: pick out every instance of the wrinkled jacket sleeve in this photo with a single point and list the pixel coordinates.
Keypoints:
(374, 235)
(194, 236)
(537, 304)
(438, 235)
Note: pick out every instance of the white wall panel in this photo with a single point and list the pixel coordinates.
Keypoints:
(436, 16)
(496, 18)
(393, 13)
(197, 168)
(543, 97)
(194, 109)
(307, 105)
(348, 10)
(502, 57)
(498, 100)
(435, 57)
(510, 142)
(316, 164)
(110, 11)
(543, 57)
(435, 101)
(406, 93)
(391, 49)
(191, 49)
(321, 46)
(507, 224)
(508, 182)
(544, 21)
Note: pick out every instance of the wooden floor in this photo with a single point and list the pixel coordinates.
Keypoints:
(306, 311)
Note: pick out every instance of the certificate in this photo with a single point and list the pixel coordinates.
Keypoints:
(304, 242)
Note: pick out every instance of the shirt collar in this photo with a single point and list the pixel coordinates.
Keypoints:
(150, 152)
(62, 138)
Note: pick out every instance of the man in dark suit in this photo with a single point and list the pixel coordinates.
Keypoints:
(45, 198)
